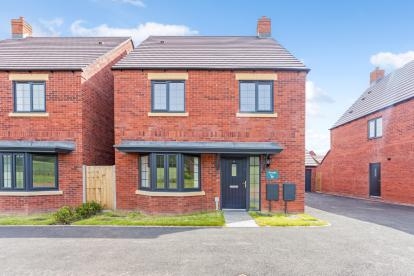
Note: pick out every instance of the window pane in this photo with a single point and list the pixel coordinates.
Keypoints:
(160, 171)
(379, 127)
(371, 125)
(264, 97)
(39, 97)
(247, 97)
(160, 96)
(19, 163)
(191, 172)
(176, 96)
(145, 172)
(172, 171)
(254, 172)
(22, 97)
(44, 171)
(7, 171)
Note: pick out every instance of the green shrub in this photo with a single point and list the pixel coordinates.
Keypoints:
(88, 209)
(65, 215)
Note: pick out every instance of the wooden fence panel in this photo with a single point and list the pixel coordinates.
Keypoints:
(100, 185)
(318, 181)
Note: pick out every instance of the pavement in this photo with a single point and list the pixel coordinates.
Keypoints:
(238, 218)
(354, 244)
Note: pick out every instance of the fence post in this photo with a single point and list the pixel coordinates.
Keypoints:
(114, 184)
(84, 183)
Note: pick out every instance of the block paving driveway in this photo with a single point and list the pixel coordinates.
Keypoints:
(365, 238)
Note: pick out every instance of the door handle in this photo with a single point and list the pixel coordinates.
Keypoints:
(244, 183)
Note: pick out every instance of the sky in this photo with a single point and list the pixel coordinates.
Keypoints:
(340, 41)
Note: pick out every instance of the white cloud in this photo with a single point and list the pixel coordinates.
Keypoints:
(136, 3)
(314, 97)
(317, 141)
(391, 60)
(138, 33)
(48, 27)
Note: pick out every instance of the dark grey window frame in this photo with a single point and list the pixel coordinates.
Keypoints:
(167, 83)
(180, 173)
(31, 96)
(257, 83)
(376, 136)
(28, 172)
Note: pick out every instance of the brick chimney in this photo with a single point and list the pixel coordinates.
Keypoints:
(376, 75)
(264, 27)
(20, 28)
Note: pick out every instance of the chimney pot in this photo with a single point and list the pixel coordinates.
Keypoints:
(264, 27)
(376, 75)
(20, 28)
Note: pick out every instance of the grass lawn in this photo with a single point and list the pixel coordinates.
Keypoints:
(267, 219)
(42, 219)
(133, 218)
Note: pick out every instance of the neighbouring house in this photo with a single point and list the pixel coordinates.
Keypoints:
(312, 161)
(199, 119)
(372, 144)
(56, 114)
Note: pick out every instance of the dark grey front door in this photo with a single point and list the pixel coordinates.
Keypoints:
(375, 179)
(233, 183)
(308, 180)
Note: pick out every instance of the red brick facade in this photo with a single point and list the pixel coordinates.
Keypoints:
(345, 170)
(80, 108)
(212, 101)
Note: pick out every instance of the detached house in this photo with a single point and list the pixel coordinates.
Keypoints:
(56, 114)
(372, 144)
(199, 120)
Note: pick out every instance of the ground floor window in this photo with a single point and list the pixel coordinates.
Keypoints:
(254, 191)
(28, 171)
(169, 172)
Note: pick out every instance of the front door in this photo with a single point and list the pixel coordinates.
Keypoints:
(308, 180)
(375, 179)
(233, 183)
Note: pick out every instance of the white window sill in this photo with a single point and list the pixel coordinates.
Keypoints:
(174, 194)
(33, 193)
(28, 114)
(167, 114)
(256, 115)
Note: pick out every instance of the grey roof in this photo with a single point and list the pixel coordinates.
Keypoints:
(310, 161)
(199, 147)
(210, 52)
(54, 53)
(37, 146)
(390, 90)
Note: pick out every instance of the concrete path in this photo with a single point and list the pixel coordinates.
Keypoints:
(238, 218)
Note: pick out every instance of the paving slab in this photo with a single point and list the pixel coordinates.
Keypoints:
(238, 218)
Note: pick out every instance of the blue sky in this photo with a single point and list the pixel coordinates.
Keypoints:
(341, 41)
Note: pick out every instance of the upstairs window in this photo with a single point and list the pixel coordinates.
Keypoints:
(29, 97)
(256, 96)
(168, 96)
(375, 128)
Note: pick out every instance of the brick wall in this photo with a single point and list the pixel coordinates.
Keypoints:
(212, 103)
(345, 169)
(98, 108)
(63, 103)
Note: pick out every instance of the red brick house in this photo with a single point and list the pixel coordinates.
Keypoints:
(56, 113)
(372, 144)
(199, 119)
